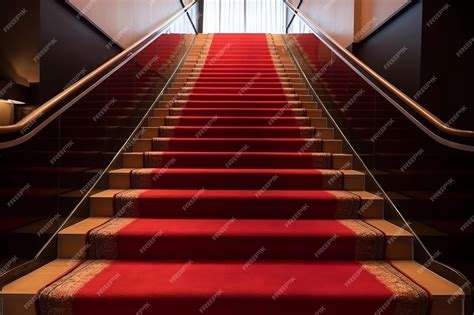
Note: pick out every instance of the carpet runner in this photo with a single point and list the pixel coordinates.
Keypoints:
(237, 209)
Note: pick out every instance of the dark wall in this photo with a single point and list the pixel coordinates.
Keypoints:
(19, 42)
(45, 48)
(403, 31)
(442, 41)
(78, 47)
(430, 70)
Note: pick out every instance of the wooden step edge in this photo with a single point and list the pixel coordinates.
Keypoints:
(161, 112)
(133, 159)
(19, 297)
(102, 203)
(341, 159)
(72, 241)
(447, 298)
(399, 244)
(319, 121)
(372, 205)
(324, 132)
(120, 178)
(310, 104)
(313, 113)
(353, 180)
(332, 146)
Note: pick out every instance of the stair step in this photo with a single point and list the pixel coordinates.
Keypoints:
(241, 159)
(237, 91)
(244, 104)
(237, 97)
(235, 239)
(239, 121)
(279, 287)
(239, 85)
(250, 112)
(221, 204)
(210, 131)
(236, 144)
(263, 179)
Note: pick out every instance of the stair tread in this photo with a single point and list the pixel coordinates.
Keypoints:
(239, 171)
(237, 227)
(242, 193)
(231, 278)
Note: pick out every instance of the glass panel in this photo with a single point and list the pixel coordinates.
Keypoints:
(44, 179)
(429, 183)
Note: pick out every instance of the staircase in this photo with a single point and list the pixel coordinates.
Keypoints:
(237, 199)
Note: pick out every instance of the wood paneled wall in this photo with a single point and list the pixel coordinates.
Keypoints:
(349, 21)
(371, 14)
(126, 21)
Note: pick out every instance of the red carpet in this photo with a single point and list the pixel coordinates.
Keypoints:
(237, 204)
(237, 211)
(246, 160)
(232, 288)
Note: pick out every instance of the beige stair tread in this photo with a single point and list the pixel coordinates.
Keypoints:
(102, 203)
(107, 193)
(37, 279)
(427, 278)
(84, 225)
(389, 228)
(447, 297)
(425, 230)
(372, 205)
(368, 195)
(399, 242)
(73, 239)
